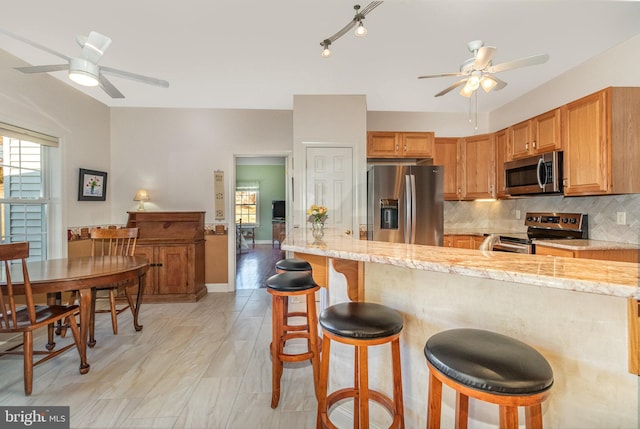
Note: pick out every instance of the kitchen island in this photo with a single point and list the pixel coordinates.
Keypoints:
(580, 314)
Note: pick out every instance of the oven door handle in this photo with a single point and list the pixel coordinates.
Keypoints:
(514, 248)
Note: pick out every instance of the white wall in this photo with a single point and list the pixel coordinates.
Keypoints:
(174, 152)
(41, 103)
(330, 120)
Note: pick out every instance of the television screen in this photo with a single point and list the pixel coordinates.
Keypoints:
(278, 209)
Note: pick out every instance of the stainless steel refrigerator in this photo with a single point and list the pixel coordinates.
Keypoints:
(405, 204)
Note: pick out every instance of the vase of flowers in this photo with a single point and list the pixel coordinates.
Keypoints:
(317, 216)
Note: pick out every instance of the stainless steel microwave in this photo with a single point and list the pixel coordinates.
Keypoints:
(539, 174)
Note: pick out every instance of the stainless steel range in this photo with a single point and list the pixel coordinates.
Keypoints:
(543, 226)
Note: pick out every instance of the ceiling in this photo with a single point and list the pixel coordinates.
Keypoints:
(258, 54)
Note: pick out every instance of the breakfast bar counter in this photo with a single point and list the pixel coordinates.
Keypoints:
(582, 315)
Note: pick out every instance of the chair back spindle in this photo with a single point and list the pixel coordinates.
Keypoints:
(114, 242)
(8, 307)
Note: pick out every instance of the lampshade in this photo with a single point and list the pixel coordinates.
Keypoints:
(488, 83)
(360, 30)
(325, 45)
(142, 195)
(83, 72)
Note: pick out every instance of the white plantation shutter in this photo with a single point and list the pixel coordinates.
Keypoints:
(23, 192)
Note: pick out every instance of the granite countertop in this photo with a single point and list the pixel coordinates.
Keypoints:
(578, 244)
(583, 275)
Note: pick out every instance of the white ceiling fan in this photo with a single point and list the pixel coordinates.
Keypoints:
(84, 69)
(480, 72)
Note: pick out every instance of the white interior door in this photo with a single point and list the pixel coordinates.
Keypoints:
(329, 182)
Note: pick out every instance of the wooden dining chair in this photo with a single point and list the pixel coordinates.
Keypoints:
(113, 242)
(110, 242)
(19, 314)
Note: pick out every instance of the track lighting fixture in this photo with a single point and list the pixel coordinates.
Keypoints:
(360, 30)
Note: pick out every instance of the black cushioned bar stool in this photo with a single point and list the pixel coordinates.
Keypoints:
(361, 324)
(284, 266)
(489, 367)
(282, 286)
(292, 264)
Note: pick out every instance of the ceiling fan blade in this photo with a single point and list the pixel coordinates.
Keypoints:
(370, 7)
(501, 83)
(522, 62)
(134, 76)
(43, 69)
(442, 75)
(108, 87)
(452, 87)
(34, 44)
(94, 46)
(483, 57)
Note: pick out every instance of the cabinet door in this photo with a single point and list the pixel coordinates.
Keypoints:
(587, 146)
(173, 273)
(463, 241)
(150, 286)
(500, 138)
(417, 145)
(447, 241)
(478, 167)
(553, 251)
(546, 131)
(520, 140)
(446, 154)
(383, 144)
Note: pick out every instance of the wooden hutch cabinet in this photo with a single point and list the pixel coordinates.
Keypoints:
(173, 242)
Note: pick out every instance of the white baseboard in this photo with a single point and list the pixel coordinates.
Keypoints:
(217, 287)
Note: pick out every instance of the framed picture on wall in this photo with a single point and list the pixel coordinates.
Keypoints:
(92, 185)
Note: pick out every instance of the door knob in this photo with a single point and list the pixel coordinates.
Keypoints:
(348, 232)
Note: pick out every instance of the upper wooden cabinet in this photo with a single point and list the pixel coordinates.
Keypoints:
(446, 154)
(536, 135)
(384, 144)
(500, 140)
(601, 133)
(478, 172)
(469, 166)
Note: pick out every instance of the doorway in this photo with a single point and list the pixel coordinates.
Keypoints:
(260, 189)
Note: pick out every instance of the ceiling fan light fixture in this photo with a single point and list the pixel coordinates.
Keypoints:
(83, 72)
(466, 90)
(488, 83)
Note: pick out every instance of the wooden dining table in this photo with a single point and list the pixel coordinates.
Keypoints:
(82, 274)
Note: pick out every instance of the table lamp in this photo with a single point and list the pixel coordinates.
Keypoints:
(142, 195)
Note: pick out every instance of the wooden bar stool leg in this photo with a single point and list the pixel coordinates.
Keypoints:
(533, 416)
(363, 385)
(397, 380)
(508, 417)
(462, 411)
(324, 382)
(312, 322)
(276, 348)
(434, 402)
(356, 387)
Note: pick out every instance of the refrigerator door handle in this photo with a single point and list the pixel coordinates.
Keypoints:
(414, 221)
(408, 226)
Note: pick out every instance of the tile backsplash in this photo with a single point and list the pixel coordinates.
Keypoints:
(501, 215)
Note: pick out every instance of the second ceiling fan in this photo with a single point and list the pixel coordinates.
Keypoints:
(479, 71)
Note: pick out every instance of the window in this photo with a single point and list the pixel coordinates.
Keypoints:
(247, 203)
(24, 198)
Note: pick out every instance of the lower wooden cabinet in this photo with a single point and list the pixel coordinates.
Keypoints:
(463, 241)
(620, 255)
(176, 272)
